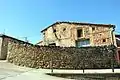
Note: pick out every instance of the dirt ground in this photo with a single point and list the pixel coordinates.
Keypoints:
(9, 70)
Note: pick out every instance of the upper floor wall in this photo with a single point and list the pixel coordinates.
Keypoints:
(65, 34)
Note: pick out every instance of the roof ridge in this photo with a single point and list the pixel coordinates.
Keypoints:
(7, 36)
(80, 23)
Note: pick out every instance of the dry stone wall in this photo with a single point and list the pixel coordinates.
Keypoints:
(29, 55)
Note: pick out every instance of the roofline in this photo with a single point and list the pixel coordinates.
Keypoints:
(5, 36)
(117, 35)
(39, 42)
(79, 23)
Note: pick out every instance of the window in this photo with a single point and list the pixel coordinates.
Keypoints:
(43, 33)
(93, 28)
(100, 34)
(83, 43)
(119, 54)
(52, 44)
(64, 29)
(104, 40)
(54, 30)
(79, 33)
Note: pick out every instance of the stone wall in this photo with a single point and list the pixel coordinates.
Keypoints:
(4, 48)
(65, 34)
(29, 55)
(0, 47)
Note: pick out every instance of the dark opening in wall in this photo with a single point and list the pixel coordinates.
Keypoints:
(52, 44)
(100, 34)
(104, 40)
(79, 33)
(118, 42)
(93, 28)
(43, 33)
(64, 29)
(54, 30)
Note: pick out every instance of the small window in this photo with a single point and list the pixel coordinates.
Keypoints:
(59, 36)
(93, 28)
(100, 34)
(43, 33)
(104, 40)
(64, 29)
(54, 30)
(79, 33)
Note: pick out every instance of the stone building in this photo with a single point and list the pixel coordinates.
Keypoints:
(4, 41)
(118, 46)
(76, 34)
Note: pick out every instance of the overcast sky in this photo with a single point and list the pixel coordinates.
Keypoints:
(26, 18)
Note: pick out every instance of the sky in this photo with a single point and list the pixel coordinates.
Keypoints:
(26, 18)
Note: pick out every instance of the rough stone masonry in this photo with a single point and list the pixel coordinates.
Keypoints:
(33, 56)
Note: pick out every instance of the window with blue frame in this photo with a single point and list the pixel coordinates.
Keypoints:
(83, 43)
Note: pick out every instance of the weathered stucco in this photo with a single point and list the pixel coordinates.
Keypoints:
(64, 34)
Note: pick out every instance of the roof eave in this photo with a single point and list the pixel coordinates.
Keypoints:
(107, 25)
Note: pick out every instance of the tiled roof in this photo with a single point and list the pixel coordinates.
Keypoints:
(79, 23)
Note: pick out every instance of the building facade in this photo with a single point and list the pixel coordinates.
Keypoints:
(75, 34)
(3, 47)
(4, 41)
(118, 47)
